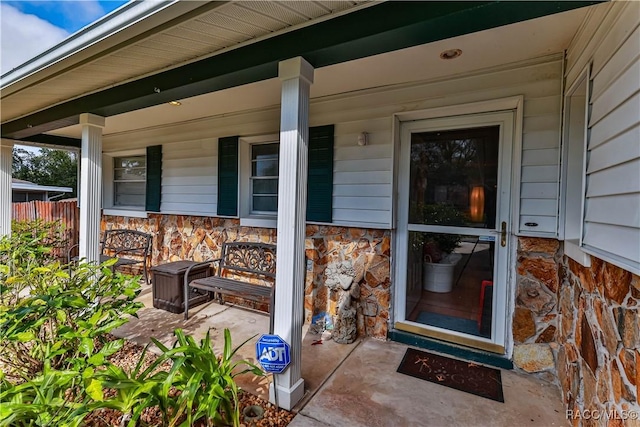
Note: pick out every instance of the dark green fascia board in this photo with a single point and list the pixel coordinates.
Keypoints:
(374, 30)
(60, 141)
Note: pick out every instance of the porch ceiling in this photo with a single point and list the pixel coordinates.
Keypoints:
(333, 44)
(196, 35)
(509, 44)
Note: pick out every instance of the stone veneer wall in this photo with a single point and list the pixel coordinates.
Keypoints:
(599, 343)
(535, 315)
(583, 325)
(182, 237)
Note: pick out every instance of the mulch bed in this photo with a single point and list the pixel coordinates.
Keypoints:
(127, 358)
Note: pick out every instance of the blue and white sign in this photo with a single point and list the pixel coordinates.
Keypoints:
(273, 353)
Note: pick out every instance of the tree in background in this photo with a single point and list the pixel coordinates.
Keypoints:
(47, 167)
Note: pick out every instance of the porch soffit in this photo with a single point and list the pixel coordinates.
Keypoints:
(377, 29)
(228, 25)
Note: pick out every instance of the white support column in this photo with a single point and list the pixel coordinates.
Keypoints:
(6, 164)
(296, 75)
(90, 186)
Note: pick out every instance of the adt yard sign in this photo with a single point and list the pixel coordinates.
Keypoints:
(273, 353)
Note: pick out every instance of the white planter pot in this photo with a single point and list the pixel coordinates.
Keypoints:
(441, 276)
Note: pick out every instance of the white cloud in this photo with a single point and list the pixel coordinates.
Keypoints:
(23, 36)
(83, 12)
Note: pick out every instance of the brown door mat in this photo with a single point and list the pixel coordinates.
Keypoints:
(464, 376)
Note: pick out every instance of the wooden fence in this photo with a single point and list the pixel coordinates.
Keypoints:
(65, 211)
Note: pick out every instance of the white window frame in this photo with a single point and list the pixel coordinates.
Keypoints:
(109, 186)
(574, 166)
(248, 218)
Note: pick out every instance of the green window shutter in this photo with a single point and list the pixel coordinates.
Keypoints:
(228, 176)
(320, 177)
(154, 178)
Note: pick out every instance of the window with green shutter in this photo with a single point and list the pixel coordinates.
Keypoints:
(259, 180)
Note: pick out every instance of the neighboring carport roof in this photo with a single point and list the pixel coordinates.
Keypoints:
(377, 29)
(20, 184)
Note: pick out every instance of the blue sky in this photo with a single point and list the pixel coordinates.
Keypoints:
(68, 15)
(28, 28)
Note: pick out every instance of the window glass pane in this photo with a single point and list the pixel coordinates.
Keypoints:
(265, 186)
(264, 168)
(265, 203)
(264, 177)
(129, 194)
(264, 151)
(130, 174)
(130, 162)
(264, 159)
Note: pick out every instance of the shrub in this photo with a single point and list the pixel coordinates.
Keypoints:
(50, 317)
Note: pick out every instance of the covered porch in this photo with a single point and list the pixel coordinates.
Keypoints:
(295, 125)
(356, 384)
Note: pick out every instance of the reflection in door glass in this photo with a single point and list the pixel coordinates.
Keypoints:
(453, 177)
(455, 291)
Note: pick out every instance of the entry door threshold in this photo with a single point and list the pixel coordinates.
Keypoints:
(446, 348)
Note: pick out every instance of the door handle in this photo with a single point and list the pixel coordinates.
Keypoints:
(503, 234)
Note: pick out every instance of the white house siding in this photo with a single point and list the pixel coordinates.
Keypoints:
(363, 175)
(189, 183)
(612, 205)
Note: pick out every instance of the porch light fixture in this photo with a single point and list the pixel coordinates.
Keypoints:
(450, 54)
(175, 103)
(363, 139)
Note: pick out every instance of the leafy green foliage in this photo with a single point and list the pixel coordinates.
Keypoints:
(51, 316)
(32, 244)
(54, 358)
(51, 398)
(199, 385)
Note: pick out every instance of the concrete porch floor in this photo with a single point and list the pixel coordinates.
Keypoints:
(356, 384)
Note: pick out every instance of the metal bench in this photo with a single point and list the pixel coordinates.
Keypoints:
(128, 247)
(244, 261)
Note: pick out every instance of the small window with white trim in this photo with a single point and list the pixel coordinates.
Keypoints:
(264, 179)
(129, 181)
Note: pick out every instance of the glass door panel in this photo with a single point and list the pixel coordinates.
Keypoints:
(454, 177)
(452, 228)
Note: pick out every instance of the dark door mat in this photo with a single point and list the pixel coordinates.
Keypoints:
(463, 376)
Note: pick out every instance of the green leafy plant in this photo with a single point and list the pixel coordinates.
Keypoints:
(53, 397)
(51, 317)
(205, 380)
(61, 314)
(135, 391)
(199, 385)
(54, 355)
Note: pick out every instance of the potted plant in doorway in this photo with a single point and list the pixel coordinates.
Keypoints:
(439, 261)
